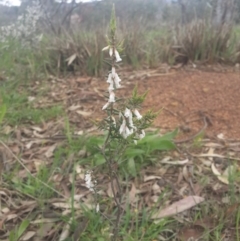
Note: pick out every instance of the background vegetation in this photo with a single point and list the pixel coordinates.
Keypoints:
(152, 32)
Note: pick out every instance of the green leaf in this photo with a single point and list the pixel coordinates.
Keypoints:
(131, 167)
(163, 145)
(170, 135)
(22, 228)
(156, 142)
(113, 21)
(12, 236)
(99, 159)
(130, 152)
(149, 139)
(3, 110)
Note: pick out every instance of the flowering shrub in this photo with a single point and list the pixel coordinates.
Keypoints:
(25, 29)
(124, 124)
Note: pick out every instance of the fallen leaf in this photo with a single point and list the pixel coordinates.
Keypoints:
(37, 128)
(214, 145)
(44, 229)
(11, 216)
(76, 205)
(28, 235)
(29, 144)
(224, 178)
(205, 162)
(84, 113)
(49, 152)
(80, 228)
(175, 162)
(65, 231)
(74, 107)
(210, 153)
(151, 177)
(36, 134)
(178, 207)
(217, 155)
(45, 220)
(132, 194)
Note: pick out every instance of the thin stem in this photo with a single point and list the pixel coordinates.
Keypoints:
(111, 160)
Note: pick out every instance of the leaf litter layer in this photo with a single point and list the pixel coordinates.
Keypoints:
(191, 191)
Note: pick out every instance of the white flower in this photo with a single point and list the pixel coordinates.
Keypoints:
(113, 72)
(123, 126)
(116, 81)
(106, 106)
(88, 181)
(110, 78)
(124, 130)
(97, 207)
(127, 113)
(137, 114)
(110, 81)
(131, 123)
(110, 88)
(111, 97)
(113, 79)
(117, 56)
(127, 132)
(111, 51)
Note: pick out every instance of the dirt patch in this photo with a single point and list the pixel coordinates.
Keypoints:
(188, 96)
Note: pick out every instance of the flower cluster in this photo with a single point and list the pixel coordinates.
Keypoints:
(91, 185)
(88, 180)
(127, 126)
(25, 29)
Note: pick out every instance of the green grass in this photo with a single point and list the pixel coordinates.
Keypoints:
(19, 110)
(197, 41)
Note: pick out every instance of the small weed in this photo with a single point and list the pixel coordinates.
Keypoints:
(16, 234)
(33, 187)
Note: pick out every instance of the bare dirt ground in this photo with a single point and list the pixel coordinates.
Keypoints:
(187, 98)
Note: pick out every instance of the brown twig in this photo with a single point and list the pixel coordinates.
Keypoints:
(205, 120)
